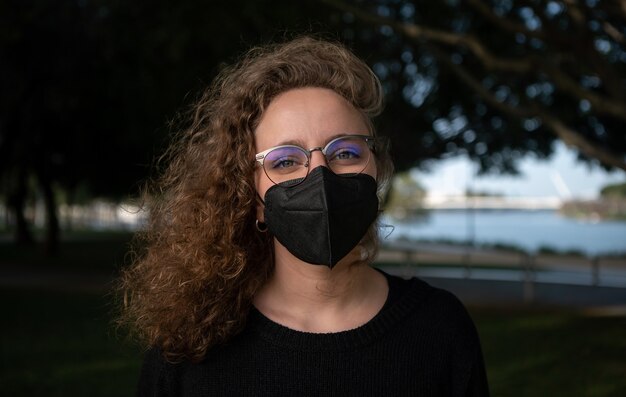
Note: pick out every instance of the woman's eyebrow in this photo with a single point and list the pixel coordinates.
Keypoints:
(335, 137)
(294, 142)
(300, 142)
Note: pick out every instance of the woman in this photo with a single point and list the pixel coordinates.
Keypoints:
(256, 276)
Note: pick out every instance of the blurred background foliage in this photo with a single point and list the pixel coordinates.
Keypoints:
(90, 91)
(88, 88)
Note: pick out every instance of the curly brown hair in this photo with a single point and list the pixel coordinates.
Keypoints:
(201, 260)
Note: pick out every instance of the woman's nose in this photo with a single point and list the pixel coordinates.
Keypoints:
(317, 159)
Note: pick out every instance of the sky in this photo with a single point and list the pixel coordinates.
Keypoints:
(562, 176)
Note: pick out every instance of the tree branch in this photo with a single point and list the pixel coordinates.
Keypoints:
(601, 105)
(615, 7)
(580, 43)
(421, 34)
(570, 137)
(613, 33)
(476, 86)
(502, 23)
(575, 13)
(585, 46)
(573, 139)
(417, 32)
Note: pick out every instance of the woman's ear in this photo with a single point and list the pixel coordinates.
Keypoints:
(260, 208)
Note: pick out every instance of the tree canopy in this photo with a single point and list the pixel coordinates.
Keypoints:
(499, 79)
(614, 190)
(87, 87)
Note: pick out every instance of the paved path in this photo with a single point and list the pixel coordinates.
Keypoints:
(58, 280)
(612, 278)
(506, 278)
(483, 288)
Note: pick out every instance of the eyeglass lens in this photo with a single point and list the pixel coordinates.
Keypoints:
(347, 155)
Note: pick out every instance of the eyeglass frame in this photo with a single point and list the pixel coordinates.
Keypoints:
(369, 140)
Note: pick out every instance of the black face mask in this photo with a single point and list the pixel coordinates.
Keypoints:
(323, 218)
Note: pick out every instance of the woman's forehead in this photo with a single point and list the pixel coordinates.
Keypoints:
(308, 117)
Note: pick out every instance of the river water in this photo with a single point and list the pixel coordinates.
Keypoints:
(530, 230)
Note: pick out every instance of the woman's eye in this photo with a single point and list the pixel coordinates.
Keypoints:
(345, 155)
(283, 163)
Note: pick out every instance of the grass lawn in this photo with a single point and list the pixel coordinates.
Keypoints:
(63, 344)
(80, 250)
(552, 353)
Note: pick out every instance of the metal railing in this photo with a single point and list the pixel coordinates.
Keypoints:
(456, 261)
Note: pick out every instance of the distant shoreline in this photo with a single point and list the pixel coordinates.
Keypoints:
(527, 230)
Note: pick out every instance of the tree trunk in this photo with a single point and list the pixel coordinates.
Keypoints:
(51, 242)
(16, 204)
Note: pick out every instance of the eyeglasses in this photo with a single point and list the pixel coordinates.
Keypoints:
(348, 154)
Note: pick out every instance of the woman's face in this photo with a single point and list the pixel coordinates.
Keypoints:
(307, 117)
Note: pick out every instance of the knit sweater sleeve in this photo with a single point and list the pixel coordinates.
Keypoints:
(467, 359)
(476, 381)
(477, 384)
(439, 331)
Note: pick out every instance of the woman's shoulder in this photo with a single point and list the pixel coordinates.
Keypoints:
(162, 377)
(154, 379)
(427, 305)
(416, 288)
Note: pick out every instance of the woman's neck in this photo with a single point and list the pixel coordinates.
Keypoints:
(314, 298)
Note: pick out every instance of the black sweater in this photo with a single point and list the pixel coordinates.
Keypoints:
(422, 343)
